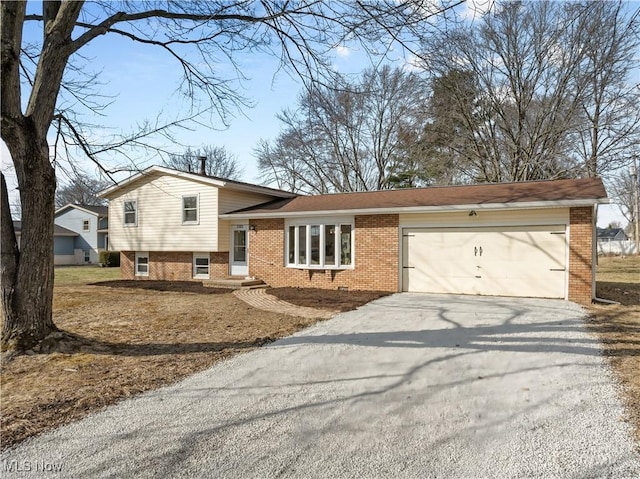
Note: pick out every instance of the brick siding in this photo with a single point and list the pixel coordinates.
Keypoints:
(375, 257)
(581, 254)
(173, 266)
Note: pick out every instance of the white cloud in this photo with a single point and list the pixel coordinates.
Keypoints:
(343, 51)
(474, 9)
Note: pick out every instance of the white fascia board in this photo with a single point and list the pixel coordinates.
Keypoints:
(71, 205)
(422, 209)
(195, 177)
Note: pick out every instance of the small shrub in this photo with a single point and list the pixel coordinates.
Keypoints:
(110, 258)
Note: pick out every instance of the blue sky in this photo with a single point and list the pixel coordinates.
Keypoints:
(143, 82)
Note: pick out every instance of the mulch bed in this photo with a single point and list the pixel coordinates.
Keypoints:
(328, 299)
(171, 286)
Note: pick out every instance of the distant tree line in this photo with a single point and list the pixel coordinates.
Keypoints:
(532, 90)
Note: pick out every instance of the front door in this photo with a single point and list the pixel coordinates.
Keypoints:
(239, 253)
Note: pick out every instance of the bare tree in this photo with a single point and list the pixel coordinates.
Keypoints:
(81, 190)
(610, 130)
(549, 77)
(348, 137)
(219, 162)
(625, 188)
(42, 88)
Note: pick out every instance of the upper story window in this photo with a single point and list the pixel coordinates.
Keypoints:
(85, 225)
(324, 245)
(190, 209)
(131, 213)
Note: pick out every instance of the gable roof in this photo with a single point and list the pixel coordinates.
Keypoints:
(611, 233)
(57, 230)
(532, 194)
(210, 180)
(94, 210)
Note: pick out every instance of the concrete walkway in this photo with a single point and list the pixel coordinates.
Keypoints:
(260, 299)
(407, 386)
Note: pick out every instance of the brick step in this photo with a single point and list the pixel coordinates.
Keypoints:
(234, 283)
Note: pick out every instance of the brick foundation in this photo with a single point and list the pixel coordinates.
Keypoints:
(173, 266)
(375, 257)
(581, 255)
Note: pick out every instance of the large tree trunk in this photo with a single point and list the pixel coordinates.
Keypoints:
(27, 275)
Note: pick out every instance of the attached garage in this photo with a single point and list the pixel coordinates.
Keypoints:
(500, 261)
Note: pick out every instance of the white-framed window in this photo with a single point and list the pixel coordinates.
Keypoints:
(201, 265)
(142, 263)
(131, 213)
(326, 244)
(87, 256)
(85, 225)
(190, 209)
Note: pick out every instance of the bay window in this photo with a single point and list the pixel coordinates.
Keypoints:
(321, 245)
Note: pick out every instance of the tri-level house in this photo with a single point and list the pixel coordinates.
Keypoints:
(515, 239)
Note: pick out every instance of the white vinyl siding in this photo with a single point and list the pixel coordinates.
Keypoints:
(511, 217)
(160, 214)
(231, 200)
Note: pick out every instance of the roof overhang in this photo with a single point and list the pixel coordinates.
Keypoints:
(217, 182)
(421, 209)
(71, 205)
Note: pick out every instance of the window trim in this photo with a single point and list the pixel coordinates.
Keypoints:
(135, 212)
(86, 225)
(86, 255)
(197, 208)
(141, 254)
(200, 256)
(337, 222)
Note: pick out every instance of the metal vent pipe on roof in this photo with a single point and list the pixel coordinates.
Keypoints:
(203, 165)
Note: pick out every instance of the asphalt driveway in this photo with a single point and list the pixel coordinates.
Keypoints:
(408, 386)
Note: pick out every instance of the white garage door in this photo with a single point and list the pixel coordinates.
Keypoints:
(501, 261)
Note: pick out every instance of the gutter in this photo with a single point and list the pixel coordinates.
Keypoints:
(419, 209)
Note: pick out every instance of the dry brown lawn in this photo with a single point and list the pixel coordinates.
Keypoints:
(618, 326)
(126, 337)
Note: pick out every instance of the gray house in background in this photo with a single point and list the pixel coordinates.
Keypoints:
(91, 225)
(611, 234)
(63, 243)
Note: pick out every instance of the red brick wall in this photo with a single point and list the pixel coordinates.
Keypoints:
(173, 266)
(375, 257)
(127, 259)
(581, 254)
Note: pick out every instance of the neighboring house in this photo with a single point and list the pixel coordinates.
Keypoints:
(614, 241)
(517, 239)
(63, 243)
(91, 225)
(611, 234)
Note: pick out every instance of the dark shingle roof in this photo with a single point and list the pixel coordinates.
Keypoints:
(533, 191)
(57, 230)
(99, 210)
(611, 233)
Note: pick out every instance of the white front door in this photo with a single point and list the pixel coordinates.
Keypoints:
(239, 254)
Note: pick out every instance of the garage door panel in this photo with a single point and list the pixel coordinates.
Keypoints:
(511, 261)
